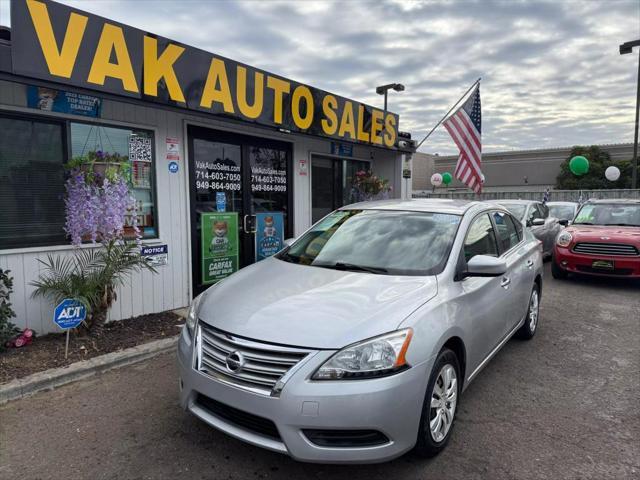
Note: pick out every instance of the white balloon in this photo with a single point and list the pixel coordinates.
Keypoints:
(436, 179)
(612, 173)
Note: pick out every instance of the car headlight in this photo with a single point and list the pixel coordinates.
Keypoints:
(564, 239)
(368, 359)
(192, 316)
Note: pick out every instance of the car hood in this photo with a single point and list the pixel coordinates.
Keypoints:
(595, 233)
(297, 305)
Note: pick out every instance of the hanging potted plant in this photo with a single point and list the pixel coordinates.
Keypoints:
(97, 165)
(367, 186)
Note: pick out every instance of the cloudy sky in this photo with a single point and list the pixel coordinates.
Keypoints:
(551, 72)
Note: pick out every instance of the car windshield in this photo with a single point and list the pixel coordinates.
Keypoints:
(516, 209)
(609, 214)
(377, 241)
(563, 212)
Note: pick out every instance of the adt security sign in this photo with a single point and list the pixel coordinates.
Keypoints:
(69, 313)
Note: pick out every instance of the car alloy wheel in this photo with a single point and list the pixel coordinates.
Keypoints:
(444, 398)
(534, 310)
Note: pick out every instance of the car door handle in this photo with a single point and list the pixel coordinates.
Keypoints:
(506, 281)
(529, 264)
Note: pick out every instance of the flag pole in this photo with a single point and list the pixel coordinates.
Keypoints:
(447, 114)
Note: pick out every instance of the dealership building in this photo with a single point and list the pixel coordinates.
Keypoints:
(202, 136)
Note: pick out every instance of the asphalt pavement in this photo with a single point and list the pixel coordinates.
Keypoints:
(565, 405)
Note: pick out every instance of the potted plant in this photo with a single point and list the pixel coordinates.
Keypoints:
(367, 186)
(98, 165)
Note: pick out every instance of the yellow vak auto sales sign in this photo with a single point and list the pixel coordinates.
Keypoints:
(54, 42)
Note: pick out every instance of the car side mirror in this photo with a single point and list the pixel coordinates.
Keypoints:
(485, 266)
(536, 222)
(563, 222)
(289, 241)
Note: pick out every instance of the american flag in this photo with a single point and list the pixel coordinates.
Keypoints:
(465, 127)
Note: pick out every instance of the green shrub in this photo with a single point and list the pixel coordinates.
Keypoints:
(7, 329)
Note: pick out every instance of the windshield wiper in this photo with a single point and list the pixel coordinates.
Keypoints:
(621, 225)
(354, 267)
(583, 223)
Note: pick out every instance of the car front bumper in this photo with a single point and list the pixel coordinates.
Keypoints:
(628, 267)
(390, 405)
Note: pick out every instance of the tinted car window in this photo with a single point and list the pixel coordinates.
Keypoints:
(543, 209)
(394, 242)
(506, 231)
(563, 212)
(481, 239)
(517, 209)
(533, 214)
(609, 214)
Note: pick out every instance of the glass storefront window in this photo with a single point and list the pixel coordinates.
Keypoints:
(131, 147)
(32, 155)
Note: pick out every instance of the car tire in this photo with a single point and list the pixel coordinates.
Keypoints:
(531, 320)
(446, 369)
(557, 271)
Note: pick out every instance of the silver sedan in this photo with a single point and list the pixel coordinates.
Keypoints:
(536, 216)
(355, 343)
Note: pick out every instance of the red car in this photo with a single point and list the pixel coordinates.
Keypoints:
(604, 239)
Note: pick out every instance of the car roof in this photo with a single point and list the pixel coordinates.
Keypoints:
(621, 201)
(515, 202)
(436, 205)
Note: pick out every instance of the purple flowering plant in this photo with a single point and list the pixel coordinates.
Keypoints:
(97, 206)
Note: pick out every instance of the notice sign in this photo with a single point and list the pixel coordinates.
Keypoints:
(157, 255)
(269, 234)
(219, 250)
(64, 102)
(173, 149)
(303, 168)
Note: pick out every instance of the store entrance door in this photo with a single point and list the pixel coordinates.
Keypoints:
(331, 183)
(234, 179)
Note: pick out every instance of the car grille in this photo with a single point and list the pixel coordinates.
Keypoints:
(263, 363)
(240, 418)
(609, 249)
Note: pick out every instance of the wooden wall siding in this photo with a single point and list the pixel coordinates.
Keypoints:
(145, 292)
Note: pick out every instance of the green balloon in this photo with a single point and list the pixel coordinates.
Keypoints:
(446, 178)
(579, 165)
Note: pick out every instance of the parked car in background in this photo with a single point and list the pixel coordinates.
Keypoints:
(355, 342)
(604, 239)
(535, 215)
(565, 212)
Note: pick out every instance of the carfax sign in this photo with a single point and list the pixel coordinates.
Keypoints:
(61, 44)
(219, 244)
(269, 234)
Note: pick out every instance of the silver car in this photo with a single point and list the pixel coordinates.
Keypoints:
(535, 216)
(354, 343)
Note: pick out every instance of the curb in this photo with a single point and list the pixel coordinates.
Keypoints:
(56, 377)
